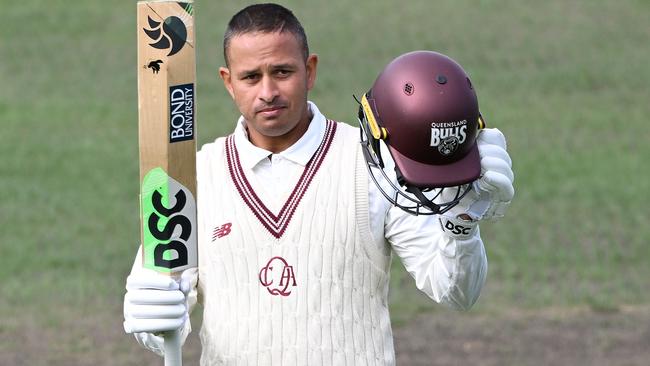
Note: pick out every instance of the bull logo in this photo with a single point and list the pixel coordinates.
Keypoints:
(277, 276)
(448, 145)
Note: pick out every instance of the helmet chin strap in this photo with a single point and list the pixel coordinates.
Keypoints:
(417, 192)
(423, 199)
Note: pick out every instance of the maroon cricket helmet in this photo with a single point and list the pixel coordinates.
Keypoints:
(428, 106)
(424, 108)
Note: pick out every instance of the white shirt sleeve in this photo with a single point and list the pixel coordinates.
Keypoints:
(449, 268)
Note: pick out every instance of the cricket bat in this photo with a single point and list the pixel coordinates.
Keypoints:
(167, 142)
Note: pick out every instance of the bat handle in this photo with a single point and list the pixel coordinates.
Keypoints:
(173, 352)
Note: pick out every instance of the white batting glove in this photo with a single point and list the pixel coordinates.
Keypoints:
(492, 192)
(156, 303)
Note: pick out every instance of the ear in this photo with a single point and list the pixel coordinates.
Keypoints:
(224, 72)
(312, 63)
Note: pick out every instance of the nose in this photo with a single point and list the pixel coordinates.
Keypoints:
(268, 90)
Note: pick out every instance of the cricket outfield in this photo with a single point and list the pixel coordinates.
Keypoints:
(567, 83)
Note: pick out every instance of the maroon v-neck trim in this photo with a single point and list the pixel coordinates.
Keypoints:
(276, 224)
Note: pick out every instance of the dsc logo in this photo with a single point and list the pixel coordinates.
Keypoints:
(168, 223)
(166, 233)
(457, 229)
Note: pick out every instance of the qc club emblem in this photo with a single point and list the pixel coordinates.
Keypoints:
(278, 277)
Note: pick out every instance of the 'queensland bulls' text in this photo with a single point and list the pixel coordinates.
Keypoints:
(441, 131)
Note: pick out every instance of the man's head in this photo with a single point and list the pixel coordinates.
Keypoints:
(268, 73)
(264, 18)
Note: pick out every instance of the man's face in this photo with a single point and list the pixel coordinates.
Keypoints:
(268, 79)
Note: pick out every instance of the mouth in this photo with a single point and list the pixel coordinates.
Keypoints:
(270, 110)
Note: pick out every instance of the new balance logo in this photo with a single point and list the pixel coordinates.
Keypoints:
(221, 231)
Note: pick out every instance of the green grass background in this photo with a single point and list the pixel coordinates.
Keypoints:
(566, 81)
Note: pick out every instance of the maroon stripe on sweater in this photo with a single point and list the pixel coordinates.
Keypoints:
(277, 224)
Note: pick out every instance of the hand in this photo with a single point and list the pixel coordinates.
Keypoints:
(156, 303)
(492, 192)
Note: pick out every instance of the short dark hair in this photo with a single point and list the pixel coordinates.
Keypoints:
(265, 18)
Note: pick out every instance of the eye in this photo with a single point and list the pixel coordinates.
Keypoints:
(282, 72)
(251, 77)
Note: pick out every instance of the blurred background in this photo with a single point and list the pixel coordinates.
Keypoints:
(565, 81)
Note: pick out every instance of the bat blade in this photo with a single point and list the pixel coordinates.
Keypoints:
(167, 135)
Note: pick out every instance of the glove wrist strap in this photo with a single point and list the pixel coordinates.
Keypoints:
(457, 228)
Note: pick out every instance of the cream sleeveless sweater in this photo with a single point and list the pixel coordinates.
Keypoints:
(302, 286)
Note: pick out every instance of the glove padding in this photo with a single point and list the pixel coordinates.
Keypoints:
(156, 303)
(152, 342)
(492, 192)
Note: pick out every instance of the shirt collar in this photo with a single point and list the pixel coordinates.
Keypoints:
(300, 152)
